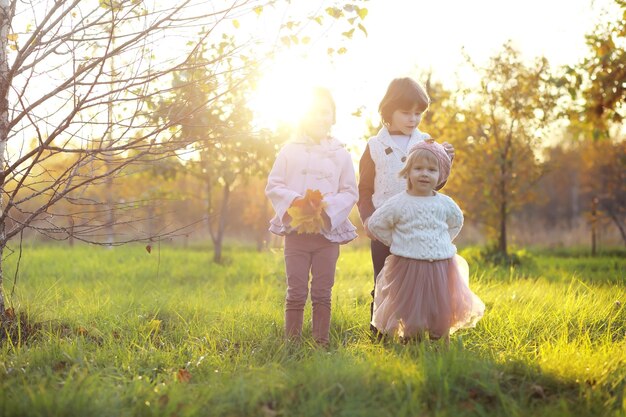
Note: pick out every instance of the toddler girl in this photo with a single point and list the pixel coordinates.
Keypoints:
(423, 286)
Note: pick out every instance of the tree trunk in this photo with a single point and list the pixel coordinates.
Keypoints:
(221, 227)
(5, 23)
(110, 230)
(502, 246)
(71, 236)
(262, 232)
(594, 221)
(614, 215)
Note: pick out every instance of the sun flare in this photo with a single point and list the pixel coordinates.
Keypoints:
(283, 92)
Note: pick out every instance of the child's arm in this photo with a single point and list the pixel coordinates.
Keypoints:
(277, 191)
(454, 219)
(381, 223)
(450, 151)
(367, 175)
(340, 204)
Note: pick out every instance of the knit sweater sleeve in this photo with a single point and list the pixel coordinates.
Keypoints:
(454, 218)
(382, 222)
(367, 175)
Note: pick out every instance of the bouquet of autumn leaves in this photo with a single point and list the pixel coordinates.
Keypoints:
(306, 213)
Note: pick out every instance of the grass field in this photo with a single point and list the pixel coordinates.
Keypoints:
(125, 333)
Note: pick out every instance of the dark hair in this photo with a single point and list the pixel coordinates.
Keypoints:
(404, 94)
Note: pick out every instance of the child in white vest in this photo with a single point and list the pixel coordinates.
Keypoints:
(423, 286)
(401, 111)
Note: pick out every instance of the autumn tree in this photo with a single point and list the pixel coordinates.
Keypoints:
(498, 133)
(596, 113)
(596, 84)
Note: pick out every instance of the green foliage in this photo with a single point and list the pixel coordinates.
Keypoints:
(124, 332)
(491, 255)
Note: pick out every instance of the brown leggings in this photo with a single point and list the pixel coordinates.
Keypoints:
(314, 254)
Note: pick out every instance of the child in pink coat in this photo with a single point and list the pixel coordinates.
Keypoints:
(313, 160)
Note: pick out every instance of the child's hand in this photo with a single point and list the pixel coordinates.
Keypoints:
(449, 149)
(367, 230)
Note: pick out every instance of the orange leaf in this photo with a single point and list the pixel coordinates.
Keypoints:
(149, 248)
(306, 213)
(183, 375)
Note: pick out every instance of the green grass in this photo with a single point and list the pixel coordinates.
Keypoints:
(118, 333)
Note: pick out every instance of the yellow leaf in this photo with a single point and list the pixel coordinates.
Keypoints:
(306, 213)
(362, 28)
(236, 23)
(348, 34)
(154, 325)
(12, 37)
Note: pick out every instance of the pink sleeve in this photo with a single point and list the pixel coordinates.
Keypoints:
(340, 204)
(277, 190)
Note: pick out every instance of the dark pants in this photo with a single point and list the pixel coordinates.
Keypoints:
(379, 254)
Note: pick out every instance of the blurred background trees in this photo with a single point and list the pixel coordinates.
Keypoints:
(182, 157)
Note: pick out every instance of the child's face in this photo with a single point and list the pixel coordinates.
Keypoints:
(319, 119)
(423, 176)
(405, 120)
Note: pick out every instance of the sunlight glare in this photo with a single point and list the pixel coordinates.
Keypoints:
(283, 93)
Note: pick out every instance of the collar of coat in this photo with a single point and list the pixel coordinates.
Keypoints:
(385, 138)
(330, 143)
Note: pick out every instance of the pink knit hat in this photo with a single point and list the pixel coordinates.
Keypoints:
(445, 163)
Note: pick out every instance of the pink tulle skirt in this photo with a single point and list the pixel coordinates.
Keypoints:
(415, 296)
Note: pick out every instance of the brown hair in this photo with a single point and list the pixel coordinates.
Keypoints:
(404, 94)
(414, 156)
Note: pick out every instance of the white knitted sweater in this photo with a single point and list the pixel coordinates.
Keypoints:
(418, 227)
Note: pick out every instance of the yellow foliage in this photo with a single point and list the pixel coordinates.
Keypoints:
(306, 213)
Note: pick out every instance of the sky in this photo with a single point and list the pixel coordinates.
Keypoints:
(412, 37)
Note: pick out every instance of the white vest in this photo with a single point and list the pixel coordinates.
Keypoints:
(389, 160)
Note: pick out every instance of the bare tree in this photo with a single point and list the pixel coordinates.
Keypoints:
(76, 80)
(65, 68)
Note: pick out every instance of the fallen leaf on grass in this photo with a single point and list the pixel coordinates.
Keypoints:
(537, 391)
(268, 411)
(183, 375)
(164, 400)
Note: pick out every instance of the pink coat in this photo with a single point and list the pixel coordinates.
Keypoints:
(303, 164)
